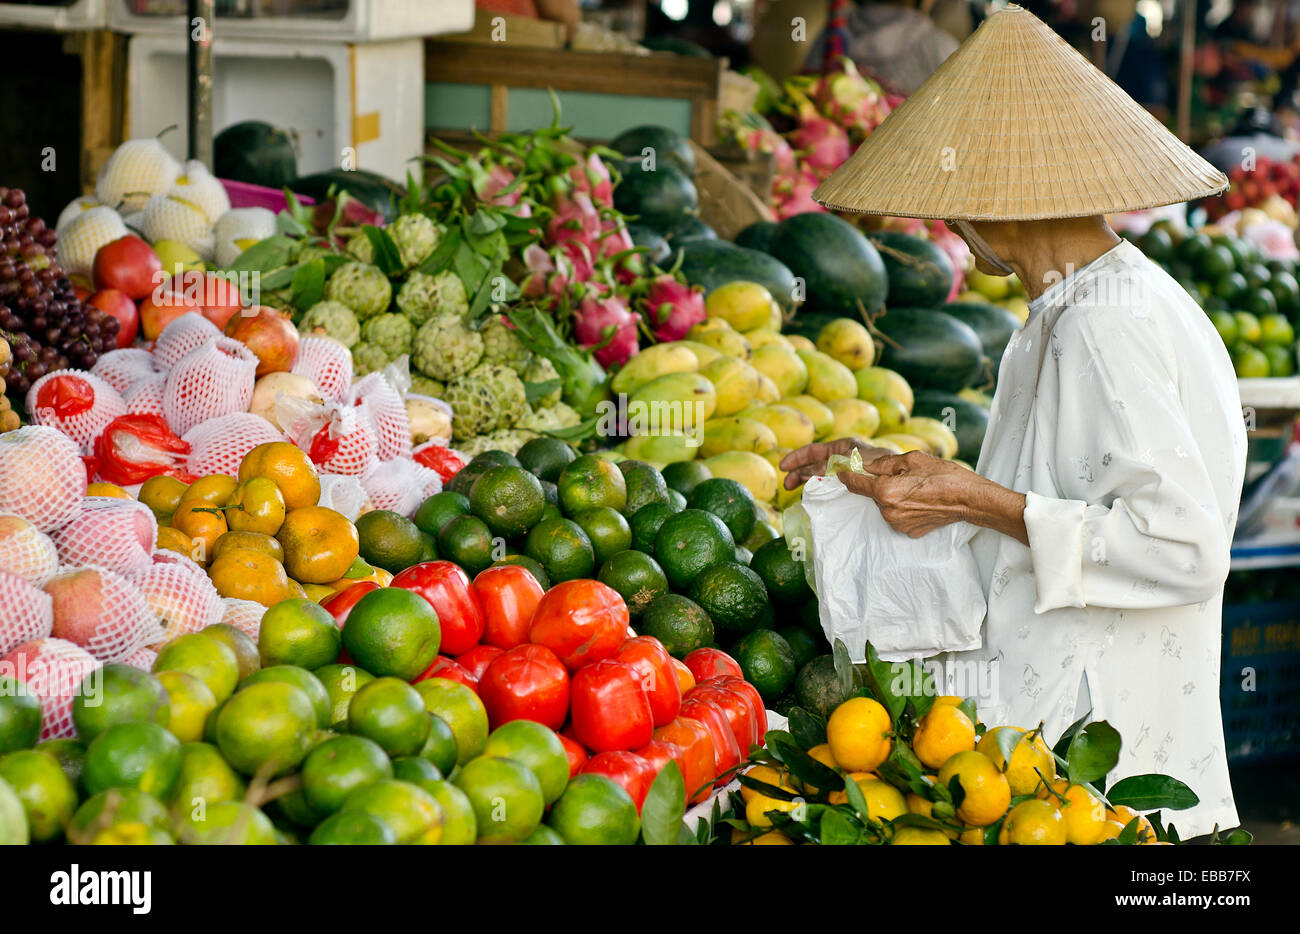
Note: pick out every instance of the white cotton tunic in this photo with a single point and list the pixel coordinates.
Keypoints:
(1117, 414)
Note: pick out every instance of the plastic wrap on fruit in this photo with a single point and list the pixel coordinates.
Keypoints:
(133, 448)
(851, 462)
(797, 526)
(338, 438)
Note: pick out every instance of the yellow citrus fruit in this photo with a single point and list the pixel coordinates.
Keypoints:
(245, 574)
(107, 489)
(1033, 823)
(918, 805)
(290, 468)
(317, 592)
(1029, 759)
(162, 494)
(319, 544)
(859, 734)
(203, 523)
(1110, 829)
(919, 836)
(170, 539)
(771, 838)
(758, 806)
(214, 489)
(767, 775)
(971, 836)
(259, 507)
(987, 794)
(1084, 813)
(254, 541)
(842, 797)
(942, 733)
(191, 702)
(884, 801)
(1124, 814)
(948, 700)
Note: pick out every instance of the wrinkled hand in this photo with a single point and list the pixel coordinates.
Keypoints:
(918, 493)
(810, 460)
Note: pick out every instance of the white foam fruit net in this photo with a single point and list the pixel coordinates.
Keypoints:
(187, 333)
(42, 476)
(142, 658)
(111, 533)
(181, 596)
(376, 394)
(244, 615)
(26, 551)
(343, 494)
(103, 612)
(328, 364)
(219, 444)
(120, 368)
(339, 438)
(400, 484)
(76, 402)
(53, 670)
(145, 395)
(215, 379)
(26, 612)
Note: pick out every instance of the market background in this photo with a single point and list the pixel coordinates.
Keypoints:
(369, 84)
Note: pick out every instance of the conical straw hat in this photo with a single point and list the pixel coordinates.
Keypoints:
(1017, 125)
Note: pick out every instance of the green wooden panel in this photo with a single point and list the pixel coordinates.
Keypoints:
(592, 115)
(457, 106)
(596, 116)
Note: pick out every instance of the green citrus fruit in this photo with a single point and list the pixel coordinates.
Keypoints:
(506, 796)
(410, 812)
(590, 481)
(594, 810)
(245, 649)
(352, 828)
(390, 712)
(208, 659)
(299, 678)
(438, 509)
(20, 716)
(462, 711)
(205, 777)
(339, 766)
(190, 703)
(636, 576)
(47, 797)
(562, 548)
(133, 755)
(298, 632)
(226, 823)
(267, 728)
(389, 540)
(114, 807)
(341, 682)
(393, 632)
(535, 746)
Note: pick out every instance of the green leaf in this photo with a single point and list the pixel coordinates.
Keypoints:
(442, 254)
(308, 283)
(1063, 744)
(1094, 751)
(574, 432)
(856, 799)
(288, 224)
(688, 837)
(881, 675)
(837, 829)
(387, 257)
(764, 788)
(844, 669)
(916, 820)
(1129, 835)
(664, 807)
(277, 279)
(967, 706)
(535, 391)
(469, 266)
(903, 768)
(807, 728)
(1152, 791)
(485, 221)
(1238, 837)
(991, 834)
(803, 766)
(266, 255)
(1007, 741)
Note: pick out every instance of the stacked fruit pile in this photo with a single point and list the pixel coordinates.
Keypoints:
(1253, 301)
(43, 320)
(886, 761)
(1271, 185)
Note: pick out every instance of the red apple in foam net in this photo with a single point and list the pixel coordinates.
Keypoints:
(163, 306)
(216, 298)
(119, 305)
(127, 264)
(269, 334)
(102, 612)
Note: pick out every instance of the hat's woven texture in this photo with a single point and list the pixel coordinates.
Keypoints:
(1017, 125)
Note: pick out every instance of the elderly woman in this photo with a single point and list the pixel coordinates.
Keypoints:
(1108, 484)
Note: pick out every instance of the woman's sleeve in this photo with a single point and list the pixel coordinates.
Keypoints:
(1140, 525)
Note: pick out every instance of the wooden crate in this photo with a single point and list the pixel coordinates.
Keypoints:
(502, 87)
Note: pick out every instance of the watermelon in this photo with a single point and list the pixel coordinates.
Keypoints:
(689, 227)
(931, 349)
(993, 324)
(669, 146)
(254, 152)
(967, 420)
(711, 263)
(757, 236)
(658, 199)
(920, 274)
(652, 240)
(841, 270)
(370, 188)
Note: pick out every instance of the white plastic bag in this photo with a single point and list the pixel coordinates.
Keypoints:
(910, 597)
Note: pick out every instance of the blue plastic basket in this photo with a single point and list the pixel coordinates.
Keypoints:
(1260, 681)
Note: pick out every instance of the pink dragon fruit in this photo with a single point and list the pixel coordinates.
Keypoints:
(793, 195)
(488, 185)
(614, 239)
(580, 260)
(672, 308)
(592, 177)
(549, 274)
(823, 144)
(599, 319)
(851, 100)
(576, 218)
